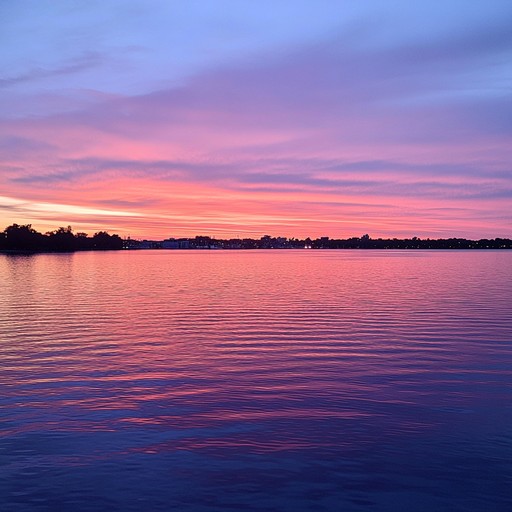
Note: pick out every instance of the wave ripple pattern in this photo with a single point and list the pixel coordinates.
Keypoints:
(256, 381)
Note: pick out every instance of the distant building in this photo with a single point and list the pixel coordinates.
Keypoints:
(172, 243)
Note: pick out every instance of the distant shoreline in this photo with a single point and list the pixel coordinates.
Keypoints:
(7, 252)
(23, 239)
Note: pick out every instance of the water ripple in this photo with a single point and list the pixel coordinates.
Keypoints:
(273, 380)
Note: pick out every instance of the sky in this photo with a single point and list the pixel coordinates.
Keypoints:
(233, 118)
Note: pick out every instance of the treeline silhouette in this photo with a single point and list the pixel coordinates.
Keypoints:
(363, 242)
(25, 238)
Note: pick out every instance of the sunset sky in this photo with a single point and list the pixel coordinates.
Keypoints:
(160, 119)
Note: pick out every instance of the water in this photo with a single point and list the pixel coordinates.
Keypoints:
(256, 381)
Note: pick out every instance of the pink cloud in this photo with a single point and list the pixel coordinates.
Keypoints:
(320, 142)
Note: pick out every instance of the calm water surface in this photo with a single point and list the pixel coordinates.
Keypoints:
(256, 381)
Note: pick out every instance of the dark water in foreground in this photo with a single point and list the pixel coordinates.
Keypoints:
(256, 381)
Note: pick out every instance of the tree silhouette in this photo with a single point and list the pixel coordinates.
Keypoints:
(62, 240)
(102, 240)
(23, 238)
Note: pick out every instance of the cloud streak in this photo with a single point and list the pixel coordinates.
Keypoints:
(84, 62)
